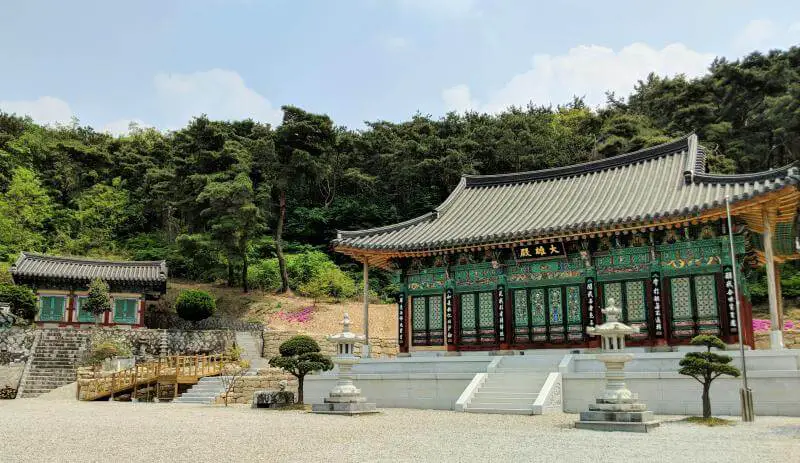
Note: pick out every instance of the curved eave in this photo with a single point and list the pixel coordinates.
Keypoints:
(711, 210)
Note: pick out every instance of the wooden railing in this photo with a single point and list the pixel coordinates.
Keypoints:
(174, 370)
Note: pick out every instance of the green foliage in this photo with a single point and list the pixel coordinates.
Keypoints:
(301, 355)
(25, 209)
(107, 349)
(195, 305)
(265, 275)
(329, 282)
(98, 300)
(707, 366)
(21, 298)
(234, 353)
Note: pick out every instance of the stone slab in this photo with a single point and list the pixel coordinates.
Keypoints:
(617, 426)
(630, 417)
(628, 407)
(360, 408)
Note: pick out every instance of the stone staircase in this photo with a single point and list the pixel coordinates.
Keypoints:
(54, 361)
(251, 345)
(205, 391)
(513, 385)
(208, 389)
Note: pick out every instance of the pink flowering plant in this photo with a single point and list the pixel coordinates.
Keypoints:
(301, 316)
(760, 324)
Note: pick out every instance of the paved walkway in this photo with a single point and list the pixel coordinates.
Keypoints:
(66, 431)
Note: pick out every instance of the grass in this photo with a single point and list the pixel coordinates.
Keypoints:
(710, 422)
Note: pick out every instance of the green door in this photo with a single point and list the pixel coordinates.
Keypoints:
(125, 310)
(51, 308)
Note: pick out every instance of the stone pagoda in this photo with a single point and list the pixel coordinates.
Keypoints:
(617, 409)
(345, 398)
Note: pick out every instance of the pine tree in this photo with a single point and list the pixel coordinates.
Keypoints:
(707, 366)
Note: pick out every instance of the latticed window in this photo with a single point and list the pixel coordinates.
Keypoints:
(427, 321)
(125, 310)
(51, 308)
(694, 305)
(478, 316)
(548, 314)
(84, 315)
(631, 296)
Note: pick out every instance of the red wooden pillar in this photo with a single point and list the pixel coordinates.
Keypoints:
(746, 314)
(71, 308)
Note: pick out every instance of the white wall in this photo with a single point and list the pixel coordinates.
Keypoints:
(773, 377)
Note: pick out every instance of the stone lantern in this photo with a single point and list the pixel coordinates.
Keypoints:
(345, 398)
(617, 409)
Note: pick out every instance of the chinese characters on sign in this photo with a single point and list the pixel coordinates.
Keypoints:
(655, 278)
(538, 251)
(590, 300)
(401, 316)
(448, 304)
(501, 291)
(730, 298)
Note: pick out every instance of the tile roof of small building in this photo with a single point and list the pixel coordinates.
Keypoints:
(642, 186)
(33, 265)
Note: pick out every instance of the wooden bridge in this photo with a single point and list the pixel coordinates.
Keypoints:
(174, 370)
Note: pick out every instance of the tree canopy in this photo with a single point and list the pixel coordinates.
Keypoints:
(215, 196)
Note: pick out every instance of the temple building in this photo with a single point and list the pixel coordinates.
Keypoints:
(527, 260)
(62, 284)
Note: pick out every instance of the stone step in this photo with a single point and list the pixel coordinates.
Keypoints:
(501, 411)
(511, 395)
(498, 403)
(508, 388)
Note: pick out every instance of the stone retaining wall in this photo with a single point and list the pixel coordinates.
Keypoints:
(266, 379)
(791, 339)
(146, 344)
(16, 345)
(381, 347)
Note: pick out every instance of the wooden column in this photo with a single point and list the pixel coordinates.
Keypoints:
(365, 349)
(773, 290)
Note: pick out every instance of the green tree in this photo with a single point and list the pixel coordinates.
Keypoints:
(707, 366)
(24, 211)
(22, 300)
(98, 301)
(301, 355)
(103, 213)
(302, 142)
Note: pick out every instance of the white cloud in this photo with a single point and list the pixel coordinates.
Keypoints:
(441, 9)
(219, 93)
(44, 110)
(588, 71)
(459, 99)
(123, 126)
(756, 35)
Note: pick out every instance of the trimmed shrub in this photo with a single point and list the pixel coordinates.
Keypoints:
(22, 300)
(195, 305)
(264, 275)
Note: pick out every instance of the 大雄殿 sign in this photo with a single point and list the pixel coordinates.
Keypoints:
(539, 251)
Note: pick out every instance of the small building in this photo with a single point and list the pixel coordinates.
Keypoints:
(62, 284)
(527, 260)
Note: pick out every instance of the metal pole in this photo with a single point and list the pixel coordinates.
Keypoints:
(746, 395)
(366, 309)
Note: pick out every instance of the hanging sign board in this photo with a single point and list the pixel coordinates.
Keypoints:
(540, 251)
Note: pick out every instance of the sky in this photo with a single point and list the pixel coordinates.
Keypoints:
(160, 62)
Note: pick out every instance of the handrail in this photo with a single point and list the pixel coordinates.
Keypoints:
(175, 368)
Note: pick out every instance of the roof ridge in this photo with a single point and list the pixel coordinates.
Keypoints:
(35, 255)
(386, 228)
(789, 170)
(652, 152)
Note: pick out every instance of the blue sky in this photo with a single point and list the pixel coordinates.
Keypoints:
(160, 62)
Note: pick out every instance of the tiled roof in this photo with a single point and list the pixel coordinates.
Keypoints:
(646, 185)
(32, 265)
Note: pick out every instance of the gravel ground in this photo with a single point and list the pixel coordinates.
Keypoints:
(65, 431)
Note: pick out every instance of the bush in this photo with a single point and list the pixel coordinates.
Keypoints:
(195, 305)
(330, 282)
(22, 300)
(8, 392)
(264, 275)
(107, 349)
(297, 345)
(303, 267)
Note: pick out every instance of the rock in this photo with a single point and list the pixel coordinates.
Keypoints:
(272, 399)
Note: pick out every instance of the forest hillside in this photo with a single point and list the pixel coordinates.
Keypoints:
(215, 197)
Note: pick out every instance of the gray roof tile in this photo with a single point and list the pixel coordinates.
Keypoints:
(657, 182)
(32, 265)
